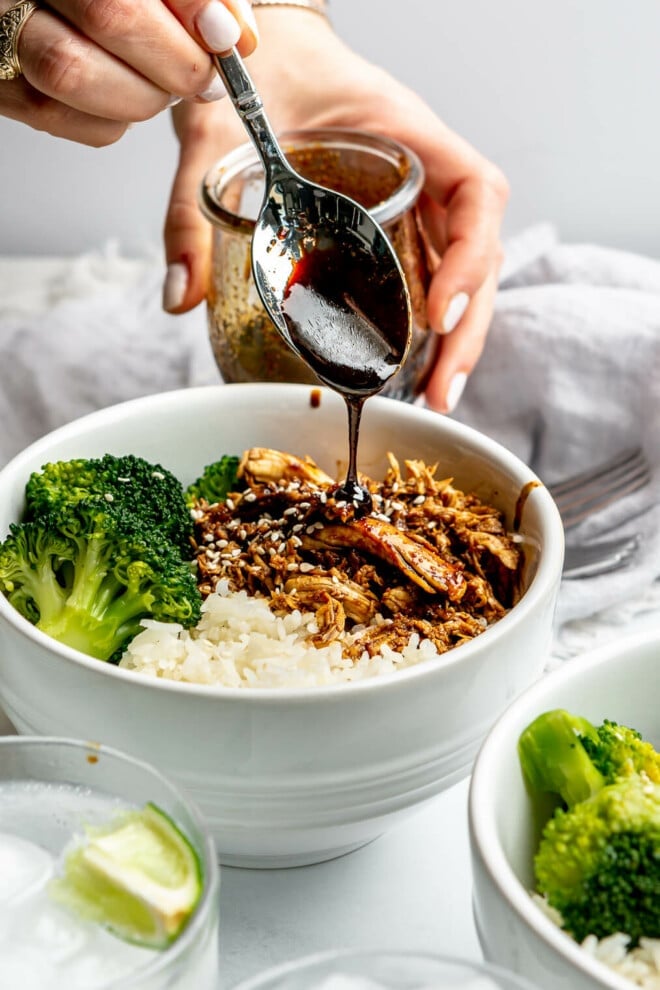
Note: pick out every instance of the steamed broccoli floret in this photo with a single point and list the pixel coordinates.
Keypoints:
(619, 751)
(215, 483)
(598, 861)
(88, 574)
(148, 490)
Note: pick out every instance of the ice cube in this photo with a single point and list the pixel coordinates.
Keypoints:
(54, 931)
(24, 868)
(105, 959)
(21, 966)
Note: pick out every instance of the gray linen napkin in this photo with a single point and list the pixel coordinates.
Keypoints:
(570, 375)
(80, 334)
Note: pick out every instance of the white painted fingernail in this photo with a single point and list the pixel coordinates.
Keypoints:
(216, 91)
(457, 306)
(218, 27)
(173, 100)
(455, 390)
(174, 288)
(245, 10)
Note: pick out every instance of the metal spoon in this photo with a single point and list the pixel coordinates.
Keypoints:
(325, 271)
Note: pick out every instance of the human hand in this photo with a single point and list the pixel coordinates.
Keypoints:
(92, 67)
(462, 204)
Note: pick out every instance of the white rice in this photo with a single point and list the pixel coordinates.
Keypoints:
(640, 965)
(239, 642)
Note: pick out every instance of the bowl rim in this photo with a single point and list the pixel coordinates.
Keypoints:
(548, 570)
(481, 804)
(474, 967)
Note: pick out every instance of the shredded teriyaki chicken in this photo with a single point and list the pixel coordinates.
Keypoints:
(429, 559)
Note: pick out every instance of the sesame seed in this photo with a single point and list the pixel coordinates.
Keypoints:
(250, 497)
(157, 475)
(306, 567)
(419, 500)
(222, 544)
(108, 497)
(230, 504)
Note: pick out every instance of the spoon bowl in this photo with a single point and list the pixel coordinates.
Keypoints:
(332, 284)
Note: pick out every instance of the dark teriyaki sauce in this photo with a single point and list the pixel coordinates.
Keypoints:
(350, 324)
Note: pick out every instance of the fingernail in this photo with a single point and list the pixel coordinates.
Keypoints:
(174, 288)
(244, 7)
(455, 390)
(218, 27)
(173, 100)
(216, 91)
(457, 306)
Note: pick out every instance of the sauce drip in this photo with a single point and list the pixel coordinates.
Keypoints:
(350, 323)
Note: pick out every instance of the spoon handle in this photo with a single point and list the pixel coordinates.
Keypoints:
(247, 102)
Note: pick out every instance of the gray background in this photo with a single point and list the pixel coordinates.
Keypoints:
(562, 95)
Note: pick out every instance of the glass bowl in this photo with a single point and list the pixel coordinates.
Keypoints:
(348, 969)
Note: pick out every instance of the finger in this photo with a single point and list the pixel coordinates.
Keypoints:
(148, 37)
(19, 101)
(61, 63)
(469, 196)
(469, 226)
(187, 233)
(460, 351)
(219, 25)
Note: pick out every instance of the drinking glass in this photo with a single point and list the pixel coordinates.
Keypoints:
(50, 789)
(382, 175)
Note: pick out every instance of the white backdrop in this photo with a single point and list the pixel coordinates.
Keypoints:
(562, 95)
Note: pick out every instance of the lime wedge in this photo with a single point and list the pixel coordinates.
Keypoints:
(139, 877)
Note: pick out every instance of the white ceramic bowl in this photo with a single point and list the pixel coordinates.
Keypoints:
(617, 682)
(289, 777)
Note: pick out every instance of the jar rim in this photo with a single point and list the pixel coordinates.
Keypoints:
(227, 168)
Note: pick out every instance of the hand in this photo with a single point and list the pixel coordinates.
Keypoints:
(463, 201)
(92, 67)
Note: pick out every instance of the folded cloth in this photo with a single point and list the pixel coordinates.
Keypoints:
(570, 376)
(80, 334)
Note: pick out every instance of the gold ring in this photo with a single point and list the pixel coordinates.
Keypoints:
(12, 23)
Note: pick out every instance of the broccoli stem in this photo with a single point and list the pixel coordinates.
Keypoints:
(554, 760)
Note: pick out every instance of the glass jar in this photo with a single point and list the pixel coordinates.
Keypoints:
(382, 175)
